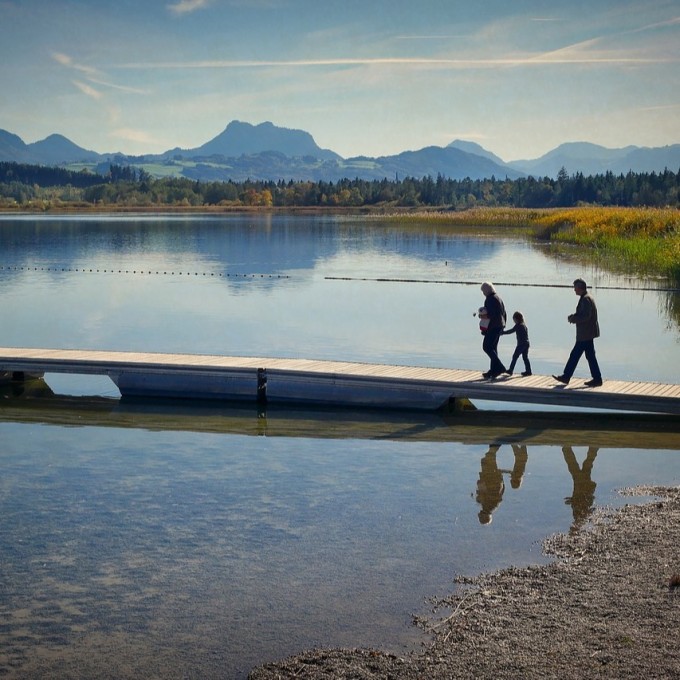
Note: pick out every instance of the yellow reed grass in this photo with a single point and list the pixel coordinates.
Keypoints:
(646, 240)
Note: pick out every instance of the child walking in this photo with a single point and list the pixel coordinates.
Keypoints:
(522, 349)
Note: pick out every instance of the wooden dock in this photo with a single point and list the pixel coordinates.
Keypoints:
(333, 383)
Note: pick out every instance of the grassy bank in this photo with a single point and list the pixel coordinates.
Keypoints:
(644, 240)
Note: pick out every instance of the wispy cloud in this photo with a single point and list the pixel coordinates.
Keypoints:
(617, 48)
(428, 37)
(187, 6)
(132, 135)
(122, 88)
(675, 21)
(660, 107)
(93, 76)
(594, 51)
(67, 61)
(566, 55)
(88, 90)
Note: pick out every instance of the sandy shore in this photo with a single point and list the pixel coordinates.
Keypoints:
(607, 607)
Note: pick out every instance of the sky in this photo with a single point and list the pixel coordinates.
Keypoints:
(363, 77)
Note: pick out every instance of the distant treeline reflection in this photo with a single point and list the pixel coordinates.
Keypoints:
(133, 187)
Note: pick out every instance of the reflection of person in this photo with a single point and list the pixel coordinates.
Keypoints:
(587, 329)
(522, 348)
(583, 496)
(490, 486)
(497, 318)
(521, 457)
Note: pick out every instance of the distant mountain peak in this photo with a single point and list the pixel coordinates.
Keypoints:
(239, 139)
(56, 149)
(594, 159)
(587, 150)
(10, 138)
(476, 149)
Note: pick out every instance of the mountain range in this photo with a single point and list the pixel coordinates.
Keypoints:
(244, 151)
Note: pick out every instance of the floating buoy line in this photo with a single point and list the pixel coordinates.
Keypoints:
(228, 275)
(86, 270)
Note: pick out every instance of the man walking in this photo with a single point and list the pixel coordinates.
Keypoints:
(587, 329)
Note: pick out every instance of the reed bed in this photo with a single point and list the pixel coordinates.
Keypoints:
(645, 240)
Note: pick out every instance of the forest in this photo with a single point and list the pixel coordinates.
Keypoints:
(36, 186)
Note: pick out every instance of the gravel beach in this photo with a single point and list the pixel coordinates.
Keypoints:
(608, 606)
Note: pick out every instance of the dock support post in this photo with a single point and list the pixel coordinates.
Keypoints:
(459, 404)
(262, 386)
(18, 376)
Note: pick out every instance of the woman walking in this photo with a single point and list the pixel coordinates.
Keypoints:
(497, 318)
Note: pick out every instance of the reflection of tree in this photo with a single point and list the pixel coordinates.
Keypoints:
(491, 486)
(583, 496)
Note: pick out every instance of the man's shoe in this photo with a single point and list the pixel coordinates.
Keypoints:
(486, 375)
(561, 378)
(526, 373)
(509, 372)
(595, 382)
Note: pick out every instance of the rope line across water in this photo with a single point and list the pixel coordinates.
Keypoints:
(497, 283)
(85, 270)
(148, 272)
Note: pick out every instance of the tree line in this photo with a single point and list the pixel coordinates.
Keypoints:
(128, 186)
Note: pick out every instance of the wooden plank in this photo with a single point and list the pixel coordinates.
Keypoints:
(664, 390)
(654, 389)
(630, 388)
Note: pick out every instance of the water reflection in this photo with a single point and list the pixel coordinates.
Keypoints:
(205, 538)
(583, 495)
(491, 483)
(236, 248)
(33, 402)
(517, 472)
(490, 486)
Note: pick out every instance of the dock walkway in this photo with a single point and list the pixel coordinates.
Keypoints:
(318, 382)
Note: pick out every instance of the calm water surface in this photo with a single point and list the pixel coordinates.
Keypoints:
(196, 541)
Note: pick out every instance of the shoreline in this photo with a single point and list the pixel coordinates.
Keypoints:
(114, 209)
(608, 606)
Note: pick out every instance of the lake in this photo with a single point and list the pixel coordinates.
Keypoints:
(179, 540)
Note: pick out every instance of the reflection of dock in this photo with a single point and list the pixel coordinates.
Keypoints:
(311, 382)
(606, 430)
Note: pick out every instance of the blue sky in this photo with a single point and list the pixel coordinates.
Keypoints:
(372, 77)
